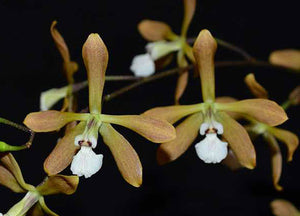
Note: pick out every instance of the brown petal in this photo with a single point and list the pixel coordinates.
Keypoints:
(8, 162)
(238, 140)
(45, 207)
(62, 154)
(173, 113)
(58, 184)
(95, 57)
(294, 96)
(152, 129)
(51, 120)
(231, 161)
(163, 61)
(276, 159)
(288, 58)
(155, 30)
(187, 132)
(282, 207)
(204, 50)
(262, 110)
(256, 89)
(182, 80)
(288, 138)
(8, 180)
(36, 210)
(125, 156)
(189, 11)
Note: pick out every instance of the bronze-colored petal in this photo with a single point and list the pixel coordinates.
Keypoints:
(226, 99)
(62, 154)
(282, 207)
(262, 110)
(204, 50)
(153, 30)
(288, 138)
(276, 159)
(163, 61)
(58, 184)
(125, 156)
(294, 96)
(8, 162)
(173, 113)
(8, 180)
(152, 129)
(95, 57)
(231, 161)
(238, 140)
(51, 120)
(256, 89)
(289, 58)
(182, 80)
(189, 11)
(187, 132)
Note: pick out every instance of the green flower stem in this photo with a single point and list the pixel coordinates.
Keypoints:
(286, 104)
(20, 127)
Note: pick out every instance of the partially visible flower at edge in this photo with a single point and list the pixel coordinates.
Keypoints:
(213, 118)
(281, 207)
(163, 43)
(33, 203)
(289, 58)
(84, 136)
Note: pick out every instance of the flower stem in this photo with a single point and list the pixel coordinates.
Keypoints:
(286, 104)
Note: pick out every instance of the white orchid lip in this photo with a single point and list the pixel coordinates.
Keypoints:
(143, 65)
(211, 149)
(50, 97)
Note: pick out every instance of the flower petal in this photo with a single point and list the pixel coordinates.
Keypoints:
(282, 207)
(58, 184)
(125, 156)
(204, 50)
(50, 97)
(51, 120)
(290, 139)
(294, 96)
(262, 110)
(152, 129)
(256, 89)
(238, 140)
(182, 80)
(231, 161)
(276, 159)
(45, 207)
(8, 162)
(155, 30)
(95, 57)
(288, 58)
(36, 210)
(8, 180)
(189, 11)
(173, 113)
(62, 154)
(226, 99)
(186, 132)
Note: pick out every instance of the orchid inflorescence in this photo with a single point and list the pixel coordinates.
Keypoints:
(216, 119)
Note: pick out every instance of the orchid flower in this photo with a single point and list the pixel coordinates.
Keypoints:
(84, 136)
(163, 42)
(281, 207)
(50, 97)
(271, 133)
(212, 118)
(33, 203)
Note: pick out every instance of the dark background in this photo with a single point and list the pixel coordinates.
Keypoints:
(30, 63)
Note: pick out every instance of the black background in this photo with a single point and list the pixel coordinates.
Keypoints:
(30, 63)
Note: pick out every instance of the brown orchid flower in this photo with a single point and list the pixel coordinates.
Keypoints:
(212, 117)
(281, 207)
(289, 58)
(271, 133)
(163, 43)
(33, 203)
(50, 97)
(85, 135)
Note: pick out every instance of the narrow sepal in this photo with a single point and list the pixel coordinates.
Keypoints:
(187, 131)
(289, 58)
(204, 50)
(238, 140)
(62, 155)
(256, 89)
(46, 208)
(262, 110)
(125, 156)
(51, 120)
(189, 11)
(282, 207)
(152, 129)
(95, 57)
(154, 30)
